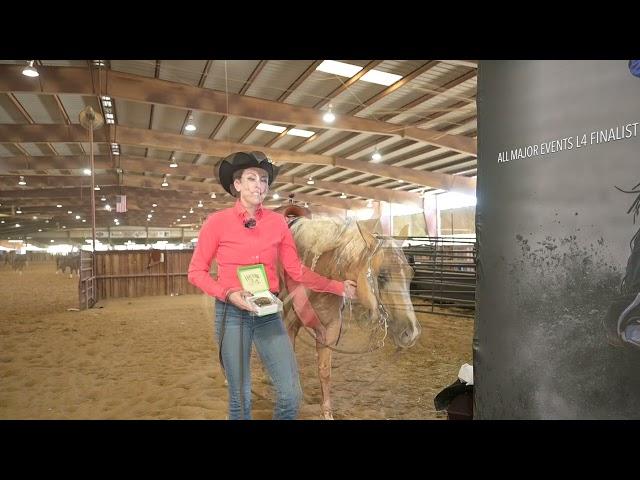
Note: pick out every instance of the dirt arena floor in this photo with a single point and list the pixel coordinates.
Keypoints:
(156, 358)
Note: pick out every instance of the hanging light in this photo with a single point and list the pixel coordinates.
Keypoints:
(329, 116)
(30, 71)
(69, 212)
(306, 205)
(154, 205)
(200, 204)
(369, 203)
(87, 171)
(107, 207)
(310, 181)
(59, 205)
(77, 217)
(21, 181)
(164, 182)
(191, 210)
(276, 196)
(17, 225)
(152, 211)
(190, 127)
(97, 187)
(149, 215)
(39, 229)
(343, 195)
(184, 216)
(35, 217)
(18, 210)
(103, 199)
(376, 155)
(213, 195)
(172, 162)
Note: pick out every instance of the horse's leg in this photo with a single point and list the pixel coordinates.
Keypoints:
(292, 330)
(324, 369)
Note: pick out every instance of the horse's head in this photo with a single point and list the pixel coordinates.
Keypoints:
(383, 286)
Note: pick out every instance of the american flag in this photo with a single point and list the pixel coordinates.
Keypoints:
(121, 203)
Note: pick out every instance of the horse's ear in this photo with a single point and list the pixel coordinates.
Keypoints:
(404, 231)
(368, 237)
(373, 225)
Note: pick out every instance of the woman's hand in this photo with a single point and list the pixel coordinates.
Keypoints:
(238, 298)
(350, 289)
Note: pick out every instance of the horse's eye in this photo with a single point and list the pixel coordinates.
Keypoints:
(383, 277)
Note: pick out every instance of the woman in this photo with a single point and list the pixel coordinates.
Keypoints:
(248, 234)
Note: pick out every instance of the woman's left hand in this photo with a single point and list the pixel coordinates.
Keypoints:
(350, 289)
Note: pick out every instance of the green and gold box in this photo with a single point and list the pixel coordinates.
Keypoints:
(254, 279)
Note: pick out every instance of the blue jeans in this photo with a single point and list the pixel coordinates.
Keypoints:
(273, 346)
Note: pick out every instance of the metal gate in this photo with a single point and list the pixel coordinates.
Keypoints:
(445, 274)
(87, 283)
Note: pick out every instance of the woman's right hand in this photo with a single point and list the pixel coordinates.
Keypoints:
(238, 299)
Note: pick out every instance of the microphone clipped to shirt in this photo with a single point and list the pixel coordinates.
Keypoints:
(251, 223)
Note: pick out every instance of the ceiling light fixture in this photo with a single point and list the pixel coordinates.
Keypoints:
(172, 162)
(310, 181)
(329, 116)
(164, 182)
(276, 196)
(190, 127)
(97, 187)
(87, 171)
(30, 71)
(21, 181)
(343, 195)
(376, 155)
(200, 204)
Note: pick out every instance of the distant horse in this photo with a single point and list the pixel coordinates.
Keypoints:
(19, 262)
(349, 250)
(71, 261)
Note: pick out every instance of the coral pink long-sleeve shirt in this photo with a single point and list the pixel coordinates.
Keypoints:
(225, 238)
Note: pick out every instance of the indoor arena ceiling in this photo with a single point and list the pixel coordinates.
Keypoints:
(418, 115)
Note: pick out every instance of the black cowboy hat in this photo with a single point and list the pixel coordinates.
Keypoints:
(240, 161)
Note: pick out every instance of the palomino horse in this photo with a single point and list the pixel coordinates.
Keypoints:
(349, 250)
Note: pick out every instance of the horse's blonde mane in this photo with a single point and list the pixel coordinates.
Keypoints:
(318, 236)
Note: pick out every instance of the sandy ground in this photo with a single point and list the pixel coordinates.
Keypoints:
(155, 358)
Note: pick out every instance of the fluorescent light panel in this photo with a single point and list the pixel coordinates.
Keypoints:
(267, 127)
(339, 68)
(300, 133)
(381, 78)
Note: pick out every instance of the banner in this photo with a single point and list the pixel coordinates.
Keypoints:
(559, 256)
